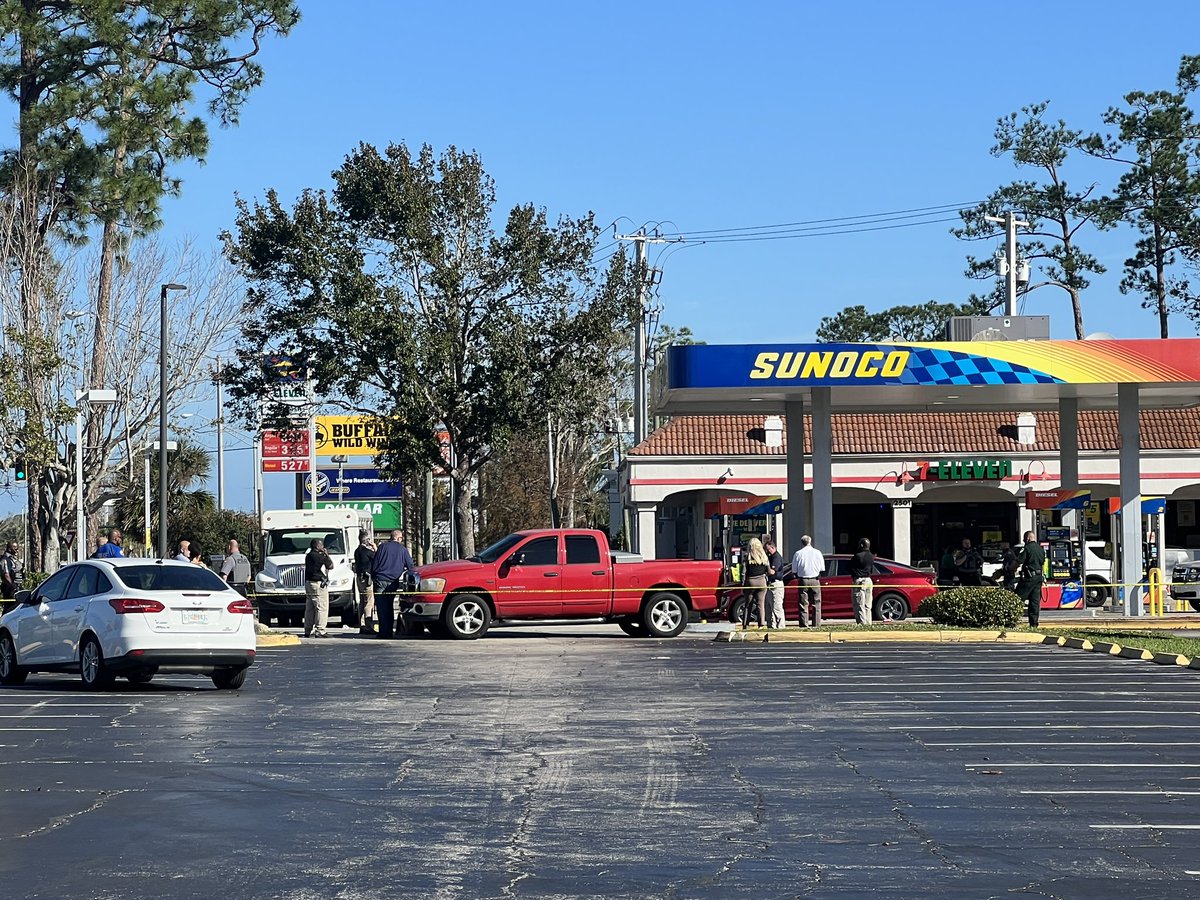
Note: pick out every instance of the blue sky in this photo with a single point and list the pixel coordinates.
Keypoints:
(703, 116)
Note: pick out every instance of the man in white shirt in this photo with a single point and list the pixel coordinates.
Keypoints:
(807, 565)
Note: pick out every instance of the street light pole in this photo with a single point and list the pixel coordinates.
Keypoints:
(163, 396)
(83, 400)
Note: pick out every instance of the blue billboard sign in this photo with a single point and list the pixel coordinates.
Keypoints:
(342, 484)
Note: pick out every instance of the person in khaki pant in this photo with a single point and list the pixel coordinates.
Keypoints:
(316, 590)
(862, 570)
(364, 555)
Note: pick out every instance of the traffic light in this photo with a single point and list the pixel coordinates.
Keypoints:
(19, 470)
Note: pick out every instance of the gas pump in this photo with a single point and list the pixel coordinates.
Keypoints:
(1061, 561)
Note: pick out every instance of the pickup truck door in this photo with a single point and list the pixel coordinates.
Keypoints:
(586, 579)
(529, 582)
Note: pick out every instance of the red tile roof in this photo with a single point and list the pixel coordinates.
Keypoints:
(872, 433)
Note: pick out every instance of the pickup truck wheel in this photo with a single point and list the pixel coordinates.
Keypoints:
(736, 609)
(631, 627)
(665, 615)
(466, 617)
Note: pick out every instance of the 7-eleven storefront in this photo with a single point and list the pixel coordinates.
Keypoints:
(914, 483)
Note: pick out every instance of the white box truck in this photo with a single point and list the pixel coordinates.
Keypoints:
(286, 535)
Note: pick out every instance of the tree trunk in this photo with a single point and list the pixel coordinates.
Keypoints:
(463, 519)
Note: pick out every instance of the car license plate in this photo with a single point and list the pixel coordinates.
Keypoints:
(195, 617)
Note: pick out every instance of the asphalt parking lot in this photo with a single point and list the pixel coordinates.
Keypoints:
(577, 762)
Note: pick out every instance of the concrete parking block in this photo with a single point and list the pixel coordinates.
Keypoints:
(1077, 643)
(1135, 653)
(278, 639)
(1171, 659)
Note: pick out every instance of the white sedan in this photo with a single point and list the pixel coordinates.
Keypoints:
(133, 618)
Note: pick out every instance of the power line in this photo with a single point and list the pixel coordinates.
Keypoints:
(734, 239)
(809, 224)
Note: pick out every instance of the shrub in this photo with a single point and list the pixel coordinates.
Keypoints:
(974, 607)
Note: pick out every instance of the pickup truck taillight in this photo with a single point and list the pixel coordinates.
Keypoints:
(124, 605)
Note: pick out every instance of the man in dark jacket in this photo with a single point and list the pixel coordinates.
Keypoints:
(317, 565)
(364, 555)
(1030, 576)
(861, 569)
(391, 569)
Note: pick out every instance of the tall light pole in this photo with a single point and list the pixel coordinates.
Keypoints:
(147, 452)
(83, 400)
(163, 396)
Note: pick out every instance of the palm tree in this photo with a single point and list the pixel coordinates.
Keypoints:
(186, 466)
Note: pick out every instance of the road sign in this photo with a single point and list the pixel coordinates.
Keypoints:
(350, 435)
(343, 483)
(385, 514)
(285, 465)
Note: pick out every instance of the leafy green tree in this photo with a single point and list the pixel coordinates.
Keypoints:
(407, 304)
(103, 92)
(1158, 194)
(1055, 211)
(922, 322)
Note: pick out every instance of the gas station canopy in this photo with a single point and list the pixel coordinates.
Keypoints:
(939, 377)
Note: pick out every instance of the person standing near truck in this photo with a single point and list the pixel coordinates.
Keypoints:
(235, 568)
(364, 556)
(317, 564)
(390, 569)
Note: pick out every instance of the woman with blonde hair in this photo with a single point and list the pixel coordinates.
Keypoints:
(756, 569)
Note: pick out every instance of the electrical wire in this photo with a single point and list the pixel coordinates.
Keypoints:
(737, 239)
(814, 224)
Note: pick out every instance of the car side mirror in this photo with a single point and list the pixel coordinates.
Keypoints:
(25, 598)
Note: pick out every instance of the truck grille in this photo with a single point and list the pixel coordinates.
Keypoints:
(1185, 575)
(291, 576)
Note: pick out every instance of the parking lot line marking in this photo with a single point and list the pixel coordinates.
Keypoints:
(1002, 727)
(33, 729)
(1074, 693)
(1044, 712)
(1057, 743)
(1067, 764)
(71, 716)
(1173, 701)
(1119, 793)
(1148, 827)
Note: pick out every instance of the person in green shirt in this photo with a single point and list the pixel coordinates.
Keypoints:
(1031, 562)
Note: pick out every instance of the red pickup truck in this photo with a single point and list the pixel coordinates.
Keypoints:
(560, 574)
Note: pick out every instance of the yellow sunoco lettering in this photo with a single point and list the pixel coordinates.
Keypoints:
(789, 365)
(865, 369)
(843, 364)
(895, 363)
(816, 365)
(764, 365)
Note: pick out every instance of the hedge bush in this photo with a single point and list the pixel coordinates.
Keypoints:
(974, 607)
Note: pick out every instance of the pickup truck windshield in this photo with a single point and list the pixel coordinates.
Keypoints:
(499, 549)
(296, 540)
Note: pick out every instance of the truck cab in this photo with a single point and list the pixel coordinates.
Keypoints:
(287, 534)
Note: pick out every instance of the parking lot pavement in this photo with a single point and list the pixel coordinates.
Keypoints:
(560, 762)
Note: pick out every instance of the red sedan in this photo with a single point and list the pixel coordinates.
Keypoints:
(899, 591)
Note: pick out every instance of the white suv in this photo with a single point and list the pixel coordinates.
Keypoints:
(129, 617)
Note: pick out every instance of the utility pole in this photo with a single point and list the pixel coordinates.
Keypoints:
(1011, 264)
(220, 441)
(645, 278)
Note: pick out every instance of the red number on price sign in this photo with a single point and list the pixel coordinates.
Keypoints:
(280, 444)
(286, 465)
